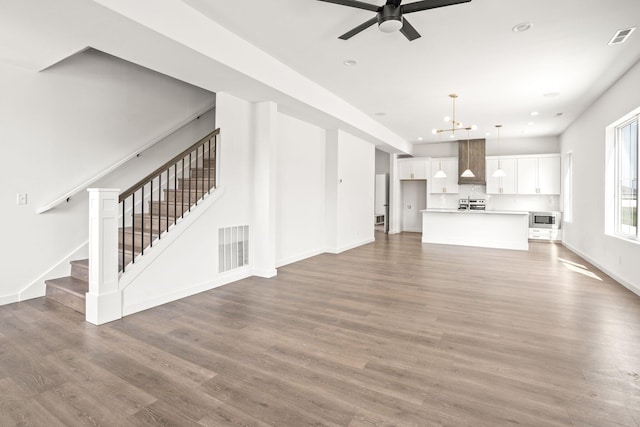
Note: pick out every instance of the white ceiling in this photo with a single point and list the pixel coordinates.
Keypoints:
(468, 49)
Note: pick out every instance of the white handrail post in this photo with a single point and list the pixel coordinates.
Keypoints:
(104, 302)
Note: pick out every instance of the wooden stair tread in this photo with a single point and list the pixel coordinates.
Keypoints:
(129, 230)
(81, 263)
(70, 284)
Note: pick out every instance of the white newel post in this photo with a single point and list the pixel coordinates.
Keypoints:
(104, 302)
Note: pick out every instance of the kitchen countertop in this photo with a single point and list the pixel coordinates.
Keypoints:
(487, 229)
(485, 212)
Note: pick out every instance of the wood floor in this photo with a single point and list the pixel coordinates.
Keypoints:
(391, 333)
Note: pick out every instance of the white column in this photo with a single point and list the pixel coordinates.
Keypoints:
(331, 191)
(104, 302)
(263, 227)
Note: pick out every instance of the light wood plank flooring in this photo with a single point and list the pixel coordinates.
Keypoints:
(391, 333)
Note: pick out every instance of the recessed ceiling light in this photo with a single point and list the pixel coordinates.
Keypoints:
(534, 113)
(350, 62)
(551, 94)
(380, 113)
(488, 134)
(530, 124)
(420, 138)
(522, 27)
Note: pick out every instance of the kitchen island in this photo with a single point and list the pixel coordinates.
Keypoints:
(487, 229)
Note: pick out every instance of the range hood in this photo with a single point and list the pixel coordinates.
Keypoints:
(476, 162)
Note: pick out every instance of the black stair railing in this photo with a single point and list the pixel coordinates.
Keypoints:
(169, 192)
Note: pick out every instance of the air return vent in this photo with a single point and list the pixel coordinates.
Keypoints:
(621, 36)
(233, 247)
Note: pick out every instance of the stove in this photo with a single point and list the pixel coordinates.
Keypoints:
(472, 204)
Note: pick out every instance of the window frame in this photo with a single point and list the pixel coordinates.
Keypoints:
(617, 217)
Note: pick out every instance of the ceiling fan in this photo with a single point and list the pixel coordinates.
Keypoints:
(389, 17)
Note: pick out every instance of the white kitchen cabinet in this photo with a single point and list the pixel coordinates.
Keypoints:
(449, 184)
(545, 234)
(412, 168)
(549, 175)
(539, 175)
(506, 184)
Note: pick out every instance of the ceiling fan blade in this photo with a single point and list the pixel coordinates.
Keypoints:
(356, 30)
(408, 31)
(354, 3)
(429, 4)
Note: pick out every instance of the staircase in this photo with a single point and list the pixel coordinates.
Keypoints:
(146, 228)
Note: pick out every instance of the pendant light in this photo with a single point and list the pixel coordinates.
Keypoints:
(455, 125)
(467, 173)
(499, 173)
(440, 173)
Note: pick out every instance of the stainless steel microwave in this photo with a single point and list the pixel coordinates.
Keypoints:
(545, 219)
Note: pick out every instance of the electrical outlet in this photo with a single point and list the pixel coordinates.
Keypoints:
(21, 199)
(408, 206)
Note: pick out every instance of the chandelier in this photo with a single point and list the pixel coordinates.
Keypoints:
(455, 125)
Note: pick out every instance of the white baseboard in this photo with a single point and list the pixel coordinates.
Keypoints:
(62, 268)
(222, 279)
(346, 248)
(9, 299)
(267, 273)
(296, 258)
(412, 230)
(614, 276)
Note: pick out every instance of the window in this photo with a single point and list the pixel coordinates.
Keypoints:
(626, 179)
(567, 189)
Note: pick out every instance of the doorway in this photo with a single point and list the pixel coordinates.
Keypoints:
(414, 199)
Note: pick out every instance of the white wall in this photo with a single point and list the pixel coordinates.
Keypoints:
(300, 190)
(585, 138)
(58, 129)
(190, 264)
(383, 162)
(355, 192)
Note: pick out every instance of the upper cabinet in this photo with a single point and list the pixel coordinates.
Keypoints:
(531, 174)
(539, 174)
(444, 185)
(549, 175)
(471, 154)
(412, 168)
(505, 184)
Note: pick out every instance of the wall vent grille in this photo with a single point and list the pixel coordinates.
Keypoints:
(233, 247)
(621, 36)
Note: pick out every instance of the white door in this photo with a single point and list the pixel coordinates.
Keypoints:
(414, 199)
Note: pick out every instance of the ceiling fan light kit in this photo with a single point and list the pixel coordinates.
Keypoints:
(390, 16)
